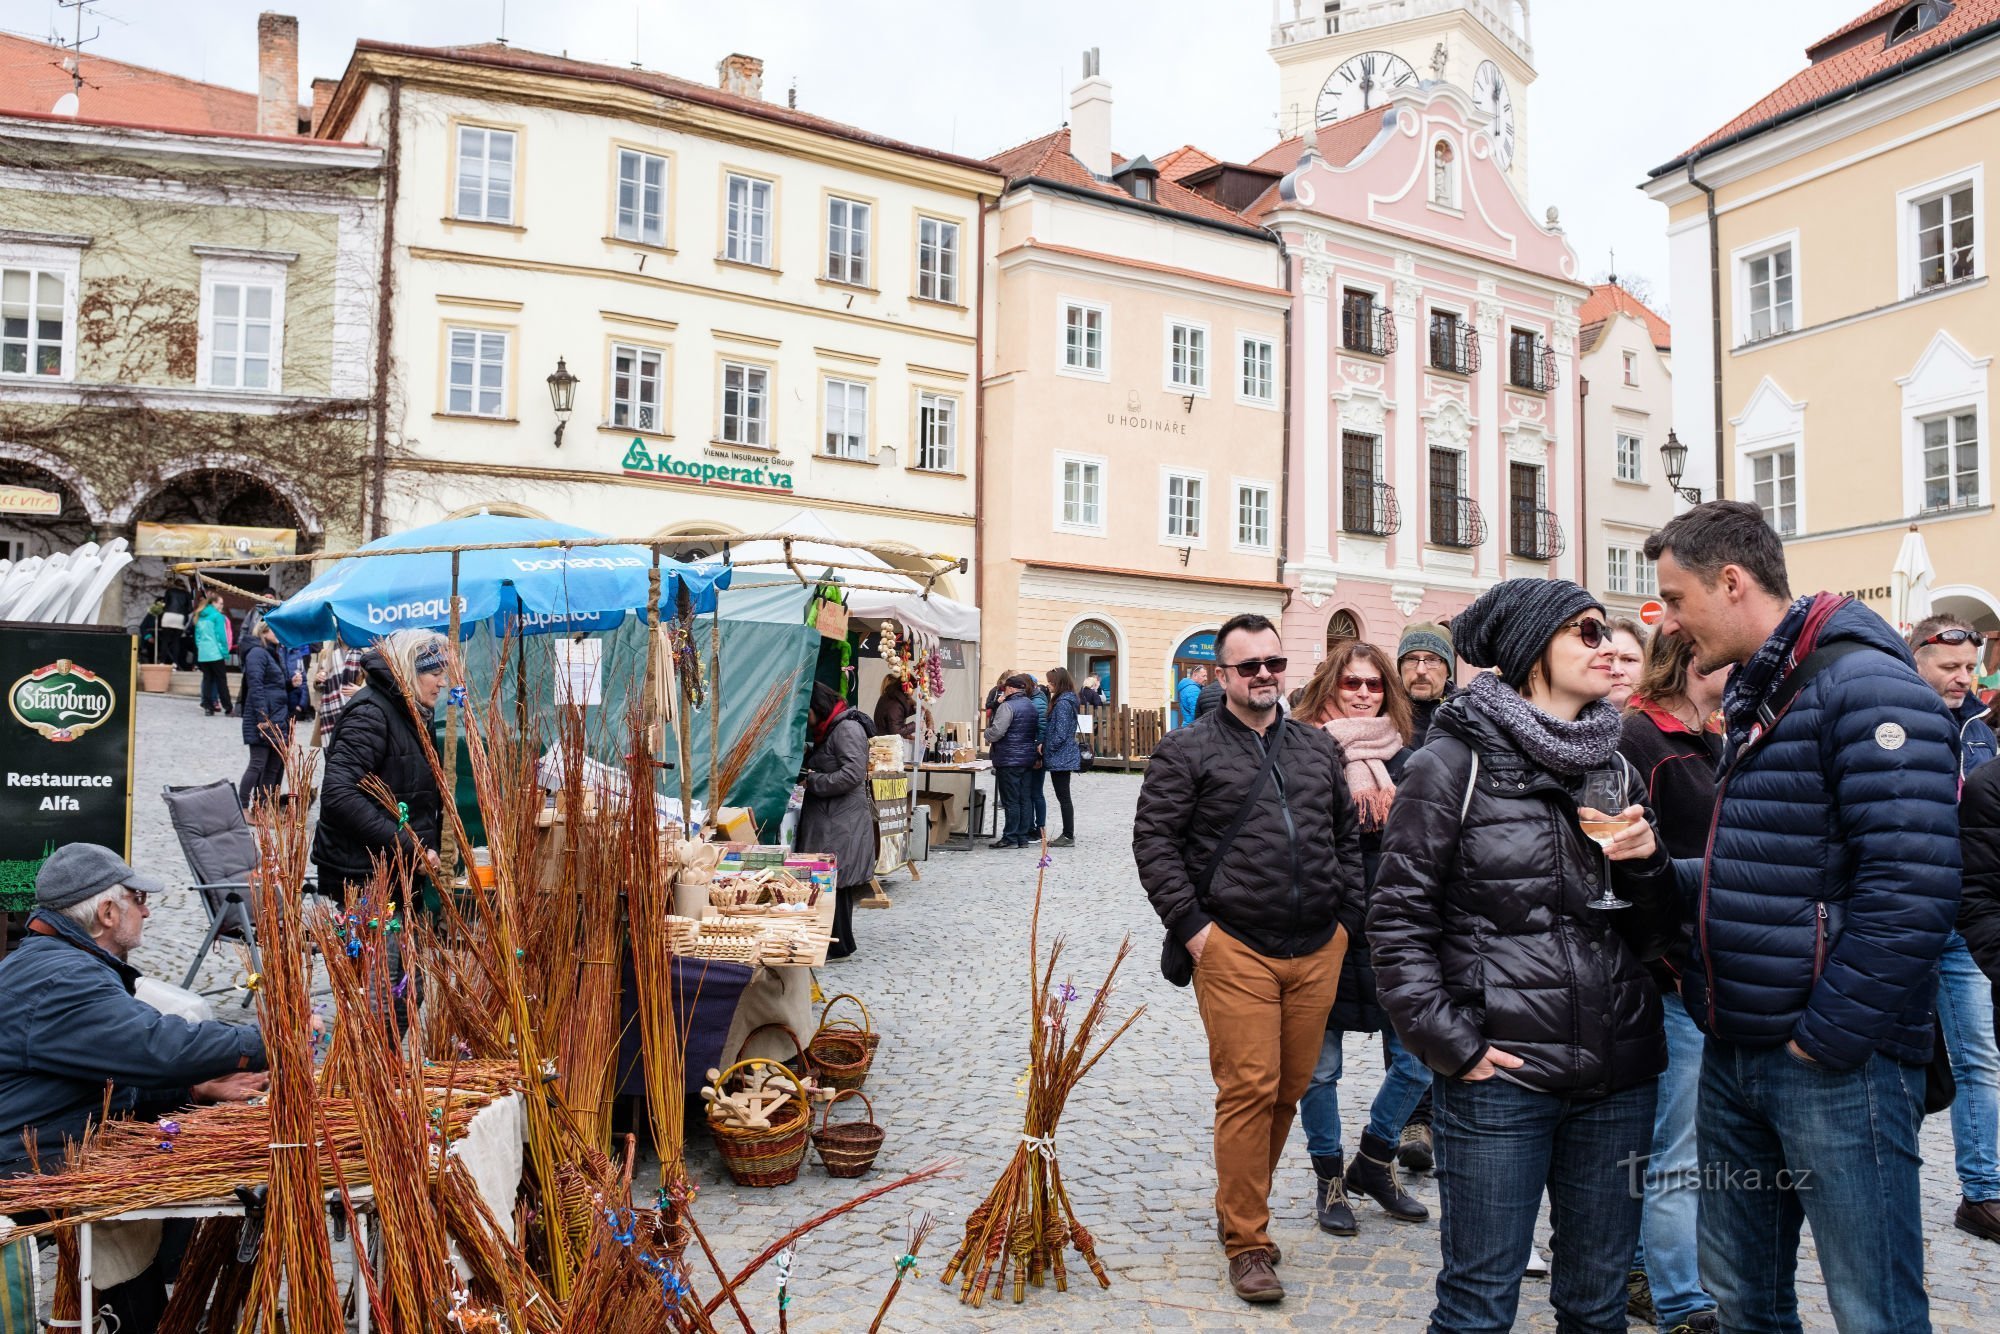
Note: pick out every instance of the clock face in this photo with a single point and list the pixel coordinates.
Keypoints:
(1491, 96)
(1362, 83)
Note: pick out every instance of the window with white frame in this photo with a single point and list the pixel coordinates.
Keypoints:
(1945, 238)
(937, 432)
(1083, 338)
(1630, 452)
(846, 419)
(1951, 460)
(642, 197)
(746, 404)
(476, 376)
(242, 334)
(1184, 507)
(937, 260)
(847, 225)
(1770, 306)
(1628, 573)
(35, 323)
(485, 174)
(747, 221)
(1081, 502)
(1774, 487)
(1258, 363)
(1187, 357)
(1632, 369)
(637, 380)
(1253, 516)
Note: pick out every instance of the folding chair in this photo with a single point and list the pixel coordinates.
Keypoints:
(221, 853)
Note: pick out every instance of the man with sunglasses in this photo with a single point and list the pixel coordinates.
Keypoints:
(1249, 847)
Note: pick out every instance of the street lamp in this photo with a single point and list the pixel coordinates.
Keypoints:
(562, 394)
(1674, 457)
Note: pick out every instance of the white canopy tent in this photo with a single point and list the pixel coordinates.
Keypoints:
(1910, 578)
(938, 616)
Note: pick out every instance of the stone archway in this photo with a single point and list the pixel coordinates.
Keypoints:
(224, 497)
(73, 524)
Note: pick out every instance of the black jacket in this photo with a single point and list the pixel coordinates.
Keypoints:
(1357, 1008)
(1979, 839)
(1211, 698)
(1678, 768)
(266, 694)
(1478, 926)
(1421, 713)
(1293, 875)
(376, 736)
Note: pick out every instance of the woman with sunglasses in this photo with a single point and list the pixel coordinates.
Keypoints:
(1356, 698)
(1533, 1006)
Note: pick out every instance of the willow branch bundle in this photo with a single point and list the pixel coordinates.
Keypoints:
(776, 704)
(1026, 1219)
(212, 1283)
(500, 1273)
(906, 1264)
(649, 899)
(588, 970)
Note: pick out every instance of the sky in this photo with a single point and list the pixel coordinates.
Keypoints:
(1623, 86)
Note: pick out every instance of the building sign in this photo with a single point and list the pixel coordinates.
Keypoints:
(744, 476)
(1879, 593)
(66, 739)
(29, 500)
(1132, 421)
(1197, 648)
(211, 541)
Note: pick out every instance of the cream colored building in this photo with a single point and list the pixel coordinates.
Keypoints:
(1628, 412)
(1857, 313)
(764, 309)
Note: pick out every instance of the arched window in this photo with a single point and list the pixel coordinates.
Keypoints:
(1341, 628)
(1918, 18)
(1444, 175)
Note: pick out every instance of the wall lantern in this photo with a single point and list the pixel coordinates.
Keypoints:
(1673, 458)
(562, 395)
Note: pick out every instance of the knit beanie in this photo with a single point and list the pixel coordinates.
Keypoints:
(1424, 637)
(1512, 623)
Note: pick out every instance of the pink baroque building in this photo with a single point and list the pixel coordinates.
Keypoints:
(1434, 427)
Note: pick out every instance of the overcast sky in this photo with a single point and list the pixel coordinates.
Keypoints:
(1624, 85)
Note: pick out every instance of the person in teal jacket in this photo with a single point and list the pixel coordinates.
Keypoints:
(211, 652)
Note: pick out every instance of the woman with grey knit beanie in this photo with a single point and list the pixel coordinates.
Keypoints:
(1533, 1009)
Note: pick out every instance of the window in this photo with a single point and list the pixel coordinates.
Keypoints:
(937, 432)
(34, 322)
(1769, 279)
(1951, 460)
(1455, 517)
(1184, 507)
(847, 222)
(937, 260)
(1083, 338)
(1945, 249)
(476, 378)
(746, 404)
(642, 194)
(1530, 363)
(1618, 569)
(636, 382)
(241, 335)
(1364, 325)
(747, 224)
(846, 419)
(1187, 357)
(1632, 369)
(485, 174)
(1253, 516)
(1444, 176)
(1259, 369)
(1775, 489)
(1629, 455)
(1082, 499)
(1364, 498)
(1532, 531)
(1454, 344)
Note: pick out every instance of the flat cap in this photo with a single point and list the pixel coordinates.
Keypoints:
(76, 871)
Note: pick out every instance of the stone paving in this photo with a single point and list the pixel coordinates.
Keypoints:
(944, 974)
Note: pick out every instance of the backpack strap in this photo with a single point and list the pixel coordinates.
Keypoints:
(1471, 782)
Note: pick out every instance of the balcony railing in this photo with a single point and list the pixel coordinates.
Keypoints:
(1368, 329)
(1369, 509)
(1456, 521)
(1536, 535)
(1455, 348)
(1531, 366)
(1359, 15)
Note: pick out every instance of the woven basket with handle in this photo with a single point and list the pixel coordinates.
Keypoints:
(756, 1156)
(841, 1053)
(848, 1149)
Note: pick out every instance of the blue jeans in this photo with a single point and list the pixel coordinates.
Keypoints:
(1965, 1008)
(1784, 1141)
(1668, 1234)
(1010, 783)
(1499, 1146)
(1038, 800)
(1403, 1086)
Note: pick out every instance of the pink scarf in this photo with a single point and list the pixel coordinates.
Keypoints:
(1368, 744)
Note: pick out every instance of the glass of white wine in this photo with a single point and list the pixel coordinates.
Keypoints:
(1606, 795)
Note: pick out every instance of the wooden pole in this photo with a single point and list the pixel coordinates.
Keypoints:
(716, 796)
(448, 849)
(683, 725)
(653, 729)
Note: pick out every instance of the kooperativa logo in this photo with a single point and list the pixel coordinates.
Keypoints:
(62, 701)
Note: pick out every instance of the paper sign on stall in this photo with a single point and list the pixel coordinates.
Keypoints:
(580, 672)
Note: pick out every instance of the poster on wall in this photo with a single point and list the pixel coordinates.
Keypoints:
(65, 746)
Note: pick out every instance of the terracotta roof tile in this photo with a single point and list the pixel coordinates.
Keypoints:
(1339, 143)
(1049, 158)
(32, 78)
(1608, 299)
(1185, 161)
(1883, 10)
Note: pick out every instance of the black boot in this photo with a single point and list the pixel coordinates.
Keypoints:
(1330, 1204)
(1373, 1173)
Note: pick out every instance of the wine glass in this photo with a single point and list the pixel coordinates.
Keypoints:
(1605, 791)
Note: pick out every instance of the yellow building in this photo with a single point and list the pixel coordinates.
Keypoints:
(1834, 319)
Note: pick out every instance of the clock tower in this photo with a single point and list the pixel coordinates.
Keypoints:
(1338, 58)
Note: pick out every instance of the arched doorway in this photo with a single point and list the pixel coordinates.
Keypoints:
(219, 498)
(1197, 650)
(32, 534)
(696, 550)
(1092, 650)
(1341, 627)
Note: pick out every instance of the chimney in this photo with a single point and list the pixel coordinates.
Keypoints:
(1090, 118)
(322, 96)
(742, 75)
(277, 74)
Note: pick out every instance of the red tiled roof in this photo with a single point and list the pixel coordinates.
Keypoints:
(1881, 11)
(32, 79)
(1339, 143)
(1840, 70)
(1185, 161)
(1049, 158)
(1608, 299)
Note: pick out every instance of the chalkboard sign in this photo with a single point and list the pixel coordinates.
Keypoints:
(65, 746)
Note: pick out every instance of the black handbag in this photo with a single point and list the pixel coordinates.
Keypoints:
(1176, 964)
(1940, 1085)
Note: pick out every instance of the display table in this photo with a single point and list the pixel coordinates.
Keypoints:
(970, 772)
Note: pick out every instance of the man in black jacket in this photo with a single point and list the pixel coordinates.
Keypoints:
(1266, 918)
(1424, 661)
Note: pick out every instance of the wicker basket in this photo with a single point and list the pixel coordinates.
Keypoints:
(848, 1149)
(865, 1030)
(763, 1157)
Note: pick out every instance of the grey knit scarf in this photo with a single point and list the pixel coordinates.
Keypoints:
(1567, 749)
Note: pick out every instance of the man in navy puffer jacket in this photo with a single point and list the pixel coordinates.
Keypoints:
(1829, 887)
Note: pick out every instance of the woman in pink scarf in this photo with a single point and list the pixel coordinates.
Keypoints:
(1357, 697)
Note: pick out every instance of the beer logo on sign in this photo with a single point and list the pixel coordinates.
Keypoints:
(62, 701)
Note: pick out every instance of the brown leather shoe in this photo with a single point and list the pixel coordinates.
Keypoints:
(1979, 1217)
(1251, 1275)
(1277, 1256)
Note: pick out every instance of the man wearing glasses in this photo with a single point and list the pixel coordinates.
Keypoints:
(1423, 660)
(1248, 846)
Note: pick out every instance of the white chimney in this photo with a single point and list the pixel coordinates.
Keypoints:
(742, 75)
(1090, 118)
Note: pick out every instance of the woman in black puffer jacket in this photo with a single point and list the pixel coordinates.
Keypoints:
(1535, 1009)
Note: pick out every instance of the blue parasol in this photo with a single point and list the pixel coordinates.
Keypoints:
(537, 586)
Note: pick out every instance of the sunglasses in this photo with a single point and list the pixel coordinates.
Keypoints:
(1372, 684)
(1251, 668)
(1590, 630)
(139, 896)
(1952, 637)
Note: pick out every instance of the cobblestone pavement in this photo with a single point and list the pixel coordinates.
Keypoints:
(944, 974)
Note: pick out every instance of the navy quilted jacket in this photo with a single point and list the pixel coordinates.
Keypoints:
(1832, 872)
